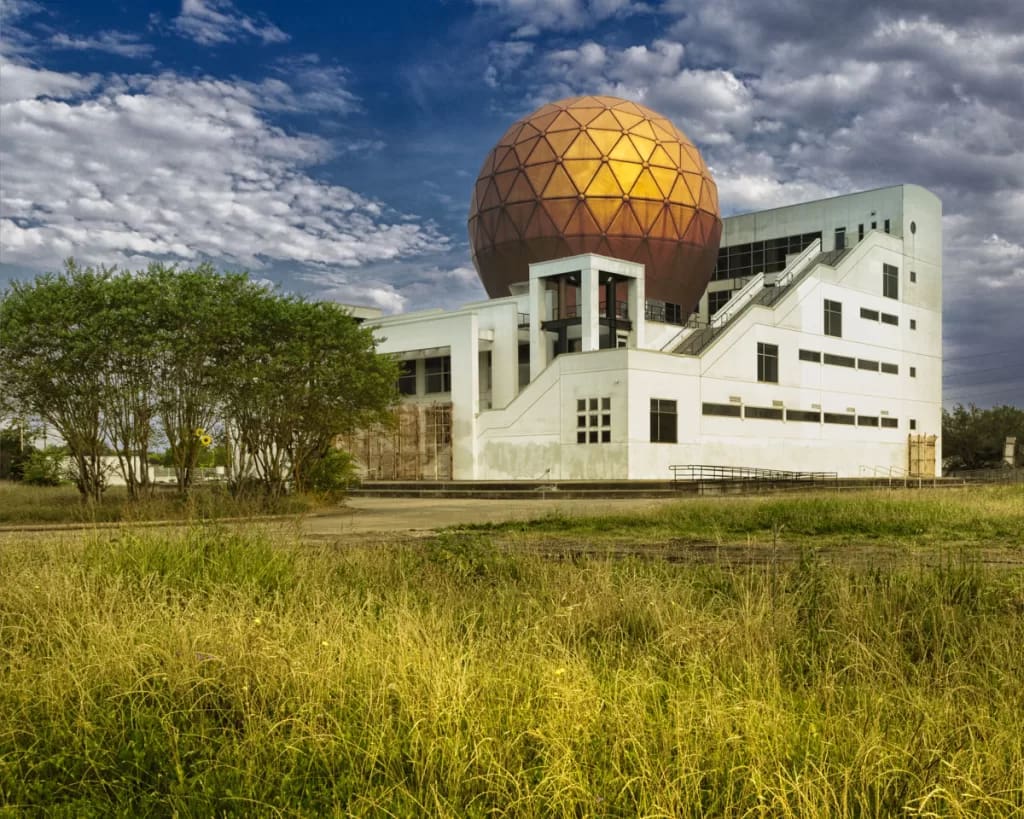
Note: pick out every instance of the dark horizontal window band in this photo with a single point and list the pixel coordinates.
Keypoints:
(725, 410)
(840, 360)
(810, 416)
(771, 413)
(865, 364)
(840, 418)
(889, 318)
(810, 355)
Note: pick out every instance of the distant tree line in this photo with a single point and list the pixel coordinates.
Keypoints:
(974, 438)
(186, 359)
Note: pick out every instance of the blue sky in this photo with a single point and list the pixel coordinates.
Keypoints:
(331, 147)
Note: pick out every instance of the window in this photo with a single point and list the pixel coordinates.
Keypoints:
(871, 315)
(593, 420)
(833, 318)
(839, 418)
(913, 423)
(840, 360)
(890, 423)
(663, 421)
(717, 300)
(407, 377)
(874, 225)
(913, 324)
(728, 410)
(673, 313)
(763, 412)
(865, 364)
(891, 369)
(889, 318)
(890, 281)
(885, 226)
(810, 355)
(860, 232)
(769, 255)
(811, 416)
(768, 362)
(867, 420)
(840, 238)
(913, 372)
(913, 275)
(439, 374)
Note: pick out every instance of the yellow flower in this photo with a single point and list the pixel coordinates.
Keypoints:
(205, 440)
(199, 432)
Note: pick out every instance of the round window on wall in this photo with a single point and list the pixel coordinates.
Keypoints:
(913, 227)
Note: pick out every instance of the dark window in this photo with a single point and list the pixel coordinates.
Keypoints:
(860, 232)
(839, 418)
(763, 412)
(833, 318)
(913, 324)
(767, 255)
(889, 318)
(891, 423)
(840, 238)
(439, 374)
(730, 410)
(717, 300)
(913, 227)
(407, 377)
(812, 416)
(874, 225)
(913, 423)
(885, 226)
(593, 426)
(768, 362)
(868, 314)
(810, 355)
(663, 421)
(913, 275)
(673, 313)
(866, 364)
(890, 281)
(840, 360)
(867, 421)
(892, 369)
(913, 372)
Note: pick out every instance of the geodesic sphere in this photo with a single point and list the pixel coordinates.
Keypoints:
(597, 175)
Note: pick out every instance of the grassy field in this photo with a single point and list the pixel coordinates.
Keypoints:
(24, 505)
(230, 671)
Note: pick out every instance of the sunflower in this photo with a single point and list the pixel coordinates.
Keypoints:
(205, 440)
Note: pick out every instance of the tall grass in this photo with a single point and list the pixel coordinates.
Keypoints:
(215, 672)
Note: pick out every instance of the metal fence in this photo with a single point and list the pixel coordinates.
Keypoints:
(707, 472)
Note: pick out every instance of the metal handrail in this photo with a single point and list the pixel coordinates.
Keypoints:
(711, 472)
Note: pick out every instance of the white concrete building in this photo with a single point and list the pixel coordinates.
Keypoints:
(817, 347)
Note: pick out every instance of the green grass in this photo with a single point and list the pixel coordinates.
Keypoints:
(25, 505)
(221, 671)
(973, 514)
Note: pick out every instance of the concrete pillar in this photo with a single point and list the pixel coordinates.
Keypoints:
(590, 312)
(505, 358)
(538, 340)
(637, 299)
(465, 365)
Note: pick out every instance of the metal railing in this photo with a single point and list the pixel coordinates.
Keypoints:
(708, 472)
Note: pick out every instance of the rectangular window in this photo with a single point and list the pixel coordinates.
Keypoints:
(663, 421)
(889, 318)
(913, 276)
(839, 418)
(593, 420)
(763, 412)
(871, 315)
(866, 364)
(890, 423)
(717, 300)
(840, 238)
(913, 423)
(885, 226)
(860, 232)
(890, 281)
(811, 416)
(810, 355)
(407, 377)
(768, 362)
(867, 420)
(439, 374)
(913, 324)
(891, 369)
(874, 225)
(913, 372)
(840, 360)
(833, 318)
(727, 410)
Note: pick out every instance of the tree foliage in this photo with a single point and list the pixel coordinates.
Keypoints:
(120, 362)
(974, 438)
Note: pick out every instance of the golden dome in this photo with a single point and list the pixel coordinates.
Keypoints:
(597, 175)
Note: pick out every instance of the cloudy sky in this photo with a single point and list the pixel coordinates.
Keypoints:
(331, 147)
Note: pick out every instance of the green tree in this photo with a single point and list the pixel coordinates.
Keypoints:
(973, 438)
(311, 375)
(52, 355)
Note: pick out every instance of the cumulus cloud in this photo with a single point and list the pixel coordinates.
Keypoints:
(112, 42)
(123, 169)
(531, 17)
(215, 22)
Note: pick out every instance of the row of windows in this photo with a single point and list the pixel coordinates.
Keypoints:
(885, 318)
(437, 371)
(854, 363)
(808, 416)
(768, 256)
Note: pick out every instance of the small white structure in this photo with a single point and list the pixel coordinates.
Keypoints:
(817, 347)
